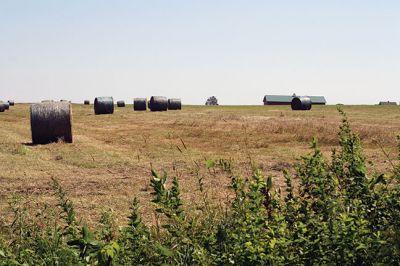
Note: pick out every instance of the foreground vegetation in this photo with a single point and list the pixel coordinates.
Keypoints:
(334, 214)
(110, 158)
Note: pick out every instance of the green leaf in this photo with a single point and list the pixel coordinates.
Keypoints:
(361, 246)
(379, 179)
(269, 182)
(87, 234)
(165, 251)
(210, 163)
(273, 243)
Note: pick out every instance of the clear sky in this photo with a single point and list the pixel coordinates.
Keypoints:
(348, 51)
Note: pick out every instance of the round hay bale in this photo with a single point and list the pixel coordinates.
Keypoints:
(140, 104)
(158, 103)
(2, 107)
(86, 102)
(11, 102)
(103, 105)
(301, 103)
(121, 104)
(51, 122)
(174, 104)
(6, 105)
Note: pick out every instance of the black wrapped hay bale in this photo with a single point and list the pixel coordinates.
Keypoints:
(51, 122)
(6, 105)
(2, 107)
(301, 103)
(121, 104)
(103, 105)
(86, 102)
(140, 104)
(174, 104)
(158, 103)
(11, 102)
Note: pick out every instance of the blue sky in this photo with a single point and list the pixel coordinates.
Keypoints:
(348, 51)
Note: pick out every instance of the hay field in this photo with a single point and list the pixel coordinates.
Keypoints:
(111, 157)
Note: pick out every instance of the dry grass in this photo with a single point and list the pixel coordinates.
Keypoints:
(110, 159)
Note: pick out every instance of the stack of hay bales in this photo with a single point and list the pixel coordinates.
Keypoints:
(212, 101)
(120, 103)
(86, 102)
(388, 103)
(301, 104)
(11, 102)
(139, 104)
(158, 103)
(103, 105)
(51, 122)
(174, 104)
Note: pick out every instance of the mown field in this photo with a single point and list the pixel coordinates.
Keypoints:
(112, 155)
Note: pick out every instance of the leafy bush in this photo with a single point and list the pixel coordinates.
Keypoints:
(334, 214)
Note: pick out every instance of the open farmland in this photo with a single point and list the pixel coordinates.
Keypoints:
(111, 157)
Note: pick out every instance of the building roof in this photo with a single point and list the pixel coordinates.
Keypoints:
(317, 99)
(288, 98)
